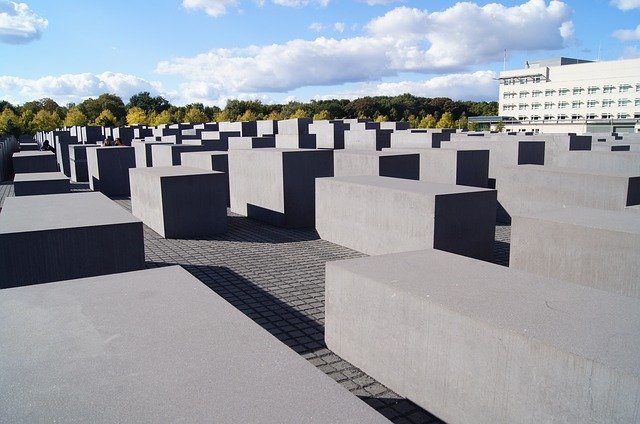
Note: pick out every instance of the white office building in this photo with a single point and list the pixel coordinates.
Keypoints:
(572, 95)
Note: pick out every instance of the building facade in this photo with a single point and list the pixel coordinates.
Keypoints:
(572, 95)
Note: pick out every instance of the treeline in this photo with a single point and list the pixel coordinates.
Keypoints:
(142, 108)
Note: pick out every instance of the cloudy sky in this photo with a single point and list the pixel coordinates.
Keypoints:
(277, 50)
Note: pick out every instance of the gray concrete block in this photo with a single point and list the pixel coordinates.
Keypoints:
(251, 142)
(277, 186)
(592, 247)
(377, 215)
(329, 134)
(370, 139)
(62, 236)
(153, 346)
(169, 154)
(628, 162)
(33, 184)
(179, 201)
(78, 161)
(108, 169)
(210, 161)
(368, 162)
(30, 161)
(473, 342)
(143, 154)
(29, 147)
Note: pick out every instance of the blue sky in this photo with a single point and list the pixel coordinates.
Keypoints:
(209, 51)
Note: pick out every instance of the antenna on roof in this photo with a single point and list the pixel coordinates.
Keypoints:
(504, 61)
(599, 47)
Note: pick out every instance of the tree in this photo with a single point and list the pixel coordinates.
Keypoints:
(472, 126)
(382, 118)
(413, 121)
(463, 122)
(106, 119)
(298, 114)
(195, 116)
(323, 115)
(49, 105)
(275, 115)
(92, 108)
(26, 122)
(500, 126)
(161, 118)
(75, 117)
(9, 122)
(147, 103)
(137, 116)
(428, 121)
(446, 121)
(248, 115)
(222, 116)
(45, 121)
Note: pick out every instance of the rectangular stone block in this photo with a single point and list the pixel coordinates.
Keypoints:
(369, 162)
(108, 169)
(169, 154)
(78, 161)
(251, 142)
(62, 236)
(277, 186)
(178, 201)
(329, 134)
(377, 215)
(473, 342)
(37, 183)
(30, 161)
(29, 147)
(210, 161)
(451, 166)
(153, 346)
(370, 139)
(143, 154)
(592, 247)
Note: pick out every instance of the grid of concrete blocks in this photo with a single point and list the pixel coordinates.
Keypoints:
(287, 271)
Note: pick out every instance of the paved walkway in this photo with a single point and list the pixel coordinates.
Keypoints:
(276, 277)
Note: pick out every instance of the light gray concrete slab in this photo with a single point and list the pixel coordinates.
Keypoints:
(370, 162)
(592, 247)
(34, 184)
(143, 154)
(62, 236)
(169, 154)
(474, 342)
(78, 161)
(179, 201)
(210, 161)
(153, 346)
(34, 161)
(108, 169)
(628, 162)
(377, 215)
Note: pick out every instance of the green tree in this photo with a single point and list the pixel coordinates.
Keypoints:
(463, 122)
(323, 115)
(26, 122)
(195, 115)
(137, 116)
(45, 121)
(161, 118)
(413, 121)
(75, 117)
(428, 121)
(148, 103)
(106, 119)
(92, 108)
(446, 121)
(275, 115)
(248, 115)
(9, 122)
(500, 126)
(472, 126)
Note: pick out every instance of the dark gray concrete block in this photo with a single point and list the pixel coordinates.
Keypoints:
(179, 201)
(143, 153)
(78, 161)
(33, 184)
(368, 162)
(169, 154)
(62, 236)
(153, 346)
(27, 162)
(108, 169)
(210, 161)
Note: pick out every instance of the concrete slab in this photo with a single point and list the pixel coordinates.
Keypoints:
(78, 161)
(592, 247)
(143, 154)
(153, 346)
(34, 161)
(474, 342)
(369, 162)
(179, 201)
(108, 169)
(34, 184)
(169, 154)
(210, 161)
(377, 215)
(62, 236)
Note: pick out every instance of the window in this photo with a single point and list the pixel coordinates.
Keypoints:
(606, 116)
(624, 88)
(592, 116)
(562, 116)
(623, 102)
(522, 118)
(637, 88)
(608, 89)
(535, 105)
(623, 115)
(509, 107)
(563, 92)
(593, 90)
(523, 106)
(536, 93)
(548, 117)
(548, 93)
(535, 117)
(607, 103)
(537, 79)
(524, 94)
(592, 103)
(637, 102)
(563, 105)
(576, 116)
(548, 105)
(576, 104)
(577, 91)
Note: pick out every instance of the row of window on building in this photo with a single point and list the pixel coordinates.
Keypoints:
(577, 104)
(576, 91)
(589, 116)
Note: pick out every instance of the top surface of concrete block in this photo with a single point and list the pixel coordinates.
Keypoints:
(575, 171)
(374, 153)
(153, 346)
(39, 176)
(204, 154)
(568, 316)
(418, 187)
(172, 171)
(621, 221)
(30, 153)
(57, 211)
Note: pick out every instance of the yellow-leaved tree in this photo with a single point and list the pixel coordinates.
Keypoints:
(75, 117)
(137, 116)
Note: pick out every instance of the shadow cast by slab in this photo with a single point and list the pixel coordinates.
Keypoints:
(400, 410)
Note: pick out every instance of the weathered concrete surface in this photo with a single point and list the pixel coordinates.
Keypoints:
(169, 154)
(78, 161)
(369, 162)
(34, 184)
(63, 236)
(34, 161)
(592, 247)
(108, 169)
(143, 153)
(153, 346)
(211, 161)
(179, 201)
(474, 342)
(377, 215)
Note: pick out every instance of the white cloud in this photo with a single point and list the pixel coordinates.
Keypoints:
(76, 87)
(402, 40)
(299, 3)
(628, 34)
(380, 2)
(218, 8)
(316, 26)
(18, 24)
(339, 27)
(626, 4)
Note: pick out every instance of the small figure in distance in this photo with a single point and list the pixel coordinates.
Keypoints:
(118, 142)
(47, 147)
(107, 142)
